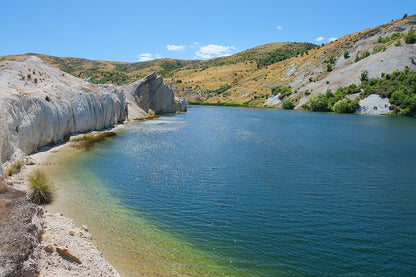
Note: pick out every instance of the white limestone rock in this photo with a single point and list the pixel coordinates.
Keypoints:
(41, 105)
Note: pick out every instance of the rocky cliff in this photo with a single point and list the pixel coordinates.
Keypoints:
(151, 93)
(41, 105)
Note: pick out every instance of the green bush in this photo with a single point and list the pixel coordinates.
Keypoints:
(379, 48)
(364, 76)
(346, 55)
(287, 104)
(284, 91)
(363, 56)
(345, 106)
(321, 102)
(328, 67)
(410, 37)
(42, 191)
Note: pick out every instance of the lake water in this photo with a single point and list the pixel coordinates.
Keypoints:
(250, 192)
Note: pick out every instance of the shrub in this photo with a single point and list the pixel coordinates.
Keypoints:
(42, 191)
(328, 67)
(363, 56)
(3, 186)
(410, 37)
(364, 76)
(320, 102)
(345, 106)
(14, 168)
(346, 55)
(287, 104)
(284, 91)
(379, 48)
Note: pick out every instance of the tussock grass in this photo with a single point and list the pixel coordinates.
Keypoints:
(14, 168)
(42, 190)
(3, 186)
(87, 141)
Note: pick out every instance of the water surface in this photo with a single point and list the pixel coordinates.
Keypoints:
(247, 192)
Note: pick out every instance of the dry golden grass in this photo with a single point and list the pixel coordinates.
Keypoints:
(14, 168)
(3, 187)
(87, 141)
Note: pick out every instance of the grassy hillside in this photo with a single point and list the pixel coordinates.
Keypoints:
(100, 72)
(120, 73)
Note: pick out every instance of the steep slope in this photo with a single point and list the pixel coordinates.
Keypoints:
(317, 70)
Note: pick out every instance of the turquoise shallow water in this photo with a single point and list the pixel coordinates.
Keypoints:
(246, 192)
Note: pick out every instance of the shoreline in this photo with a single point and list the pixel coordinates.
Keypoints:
(60, 232)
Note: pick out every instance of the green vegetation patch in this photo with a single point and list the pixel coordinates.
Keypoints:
(219, 90)
(284, 91)
(345, 106)
(399, 87)
(283, 54)
(287, 104)
(362, 56)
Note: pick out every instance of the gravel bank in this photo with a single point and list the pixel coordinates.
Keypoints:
(34, 242)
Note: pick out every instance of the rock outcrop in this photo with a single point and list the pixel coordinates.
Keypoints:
(42, 105)
(151, 93)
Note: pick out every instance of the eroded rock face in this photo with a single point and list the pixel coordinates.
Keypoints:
(41, 105)
(151, 93)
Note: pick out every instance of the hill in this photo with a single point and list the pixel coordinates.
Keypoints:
(108, 72)
(337, 64)
(267, 74)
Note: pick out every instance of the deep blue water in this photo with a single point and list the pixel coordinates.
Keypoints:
(261, 192)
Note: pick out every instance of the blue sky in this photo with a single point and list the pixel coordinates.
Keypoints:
(132, 31)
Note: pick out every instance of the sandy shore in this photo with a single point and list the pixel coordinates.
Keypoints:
(65, 249)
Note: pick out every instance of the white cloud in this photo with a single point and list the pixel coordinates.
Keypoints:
(212, 51)
(172, 47)
(195, 44)
(320, 39)
(332, 39)
(279, 27)
(148, 57)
